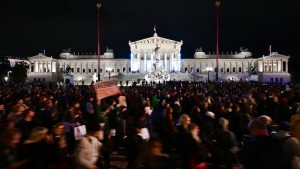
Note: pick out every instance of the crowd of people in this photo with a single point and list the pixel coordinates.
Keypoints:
(200, 124)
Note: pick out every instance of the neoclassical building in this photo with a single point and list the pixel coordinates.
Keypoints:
(160, 54)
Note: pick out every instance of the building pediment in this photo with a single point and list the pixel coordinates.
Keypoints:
(151, 43)
(156, 40)
(40, 56)
(275, 55)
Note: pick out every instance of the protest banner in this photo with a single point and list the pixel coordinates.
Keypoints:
(106, 88)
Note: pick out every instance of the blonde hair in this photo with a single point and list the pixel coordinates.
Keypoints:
(223, 123)
(38, 132)
(183, 120)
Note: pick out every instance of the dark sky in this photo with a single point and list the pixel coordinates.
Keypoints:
(28, 26)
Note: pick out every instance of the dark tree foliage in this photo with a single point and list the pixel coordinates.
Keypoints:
(19, 72)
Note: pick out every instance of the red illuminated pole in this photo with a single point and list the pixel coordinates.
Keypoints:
(98, 7)
(217, 41)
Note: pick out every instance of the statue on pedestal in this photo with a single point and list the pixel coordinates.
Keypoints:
(68, 70)
(157, 73)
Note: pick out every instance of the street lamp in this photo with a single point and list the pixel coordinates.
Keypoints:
(208, 69)
(109, 70)
(5, 78)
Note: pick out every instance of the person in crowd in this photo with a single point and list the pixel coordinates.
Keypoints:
(225, 146)
(104, 120)
(267, 120)
(69, 124)
(295, 122)
(238, 123)
(16, 115)
(182, 134)
(291, 143)
(263, 106)
(28, 123)
(263, 150)
(135, 146)
(9, 155)
(2, 112)
(196, 116)
(176, 108)
(168, 130)
(34, 149)
(89, 108)
(88, 150)
(78, 115)
(196, 151)
(47, 114)
(154, 158)
(60, 148)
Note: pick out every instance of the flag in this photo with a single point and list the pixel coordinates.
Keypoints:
(154, 28)
(270, 49)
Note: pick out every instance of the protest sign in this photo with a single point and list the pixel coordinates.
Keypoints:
(106, 88)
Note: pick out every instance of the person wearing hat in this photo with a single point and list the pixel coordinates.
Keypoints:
(291, 143)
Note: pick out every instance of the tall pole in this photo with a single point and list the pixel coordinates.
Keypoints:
(98, 7)
(217, 3)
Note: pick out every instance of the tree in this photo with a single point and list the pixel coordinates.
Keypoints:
(19, 72)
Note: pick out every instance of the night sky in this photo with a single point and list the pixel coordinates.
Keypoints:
(28, 27)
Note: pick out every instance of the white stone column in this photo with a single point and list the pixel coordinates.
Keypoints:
(272, 66)
(36, 66)
(260, 69)
(287, 66)
(165, 62)
(179, 61)
(40, 67)
(200, 67)
(131, 61)
(30, 67)
(281, 65)
(145, 62)
(169, 63)
(93, 68)
(53, 66)
(151, 61)
(139, 62)
(43, 67)
(242, 67)
(172, 62)
(248, 67)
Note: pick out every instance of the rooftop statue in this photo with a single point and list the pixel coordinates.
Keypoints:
(67, 50)
(109, 50)
(199, 49)
(243, 50)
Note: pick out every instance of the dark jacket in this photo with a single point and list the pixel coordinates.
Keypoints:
(264, 152)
